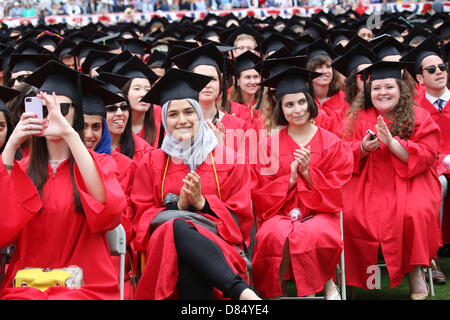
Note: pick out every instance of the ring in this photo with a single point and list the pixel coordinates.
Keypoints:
(25, 127)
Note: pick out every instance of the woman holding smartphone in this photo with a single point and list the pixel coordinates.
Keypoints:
(54, 232)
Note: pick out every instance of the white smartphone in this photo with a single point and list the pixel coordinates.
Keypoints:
(34, 105)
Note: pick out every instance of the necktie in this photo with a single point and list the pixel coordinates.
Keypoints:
(440, 104)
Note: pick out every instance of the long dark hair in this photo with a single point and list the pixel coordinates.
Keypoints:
(9, 129)
(38, 168)
(127, 145)
(149, 118)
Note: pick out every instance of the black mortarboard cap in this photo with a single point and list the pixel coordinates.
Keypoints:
(292, 80)
(243, 29)
(135, 68)
(274, 42)
(56, 77)
(157, 59)
(207, 54)
(247, 60)
(418, 34)
(393, 29)
(116, 62)
(176, 84)
(417, 54)
(31, 47)
(443, 31)
(273, 65)
(95, 58)
(82, 49)
(6, 94)
(348, 62)
(318, 47)
(134, 45)
(388, 47)
(315, 30)
(337, 35)
(64, 48)
(95, 98)
(28, 62)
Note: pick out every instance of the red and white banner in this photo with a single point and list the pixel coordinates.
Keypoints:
(112, 18)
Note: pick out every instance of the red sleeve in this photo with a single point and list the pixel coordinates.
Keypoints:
(146, 205)
(19, 199)
(422, 146)
(101, 216)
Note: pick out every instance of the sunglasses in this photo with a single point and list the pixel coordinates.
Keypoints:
(18, 79)
(432, 69)
(64, 106)
(114, 108)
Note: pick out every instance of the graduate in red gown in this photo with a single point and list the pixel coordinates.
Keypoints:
(119, 123)
(209, 61)
(57, 217)
(304, 170)
(187, 259)
(245, 92)
(431, 75)
(327, 94)
(392, 201)
(146, 119)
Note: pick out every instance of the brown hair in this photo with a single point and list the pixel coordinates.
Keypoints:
(279, 117)
(149, 118)
(404, 112)
(319, 60)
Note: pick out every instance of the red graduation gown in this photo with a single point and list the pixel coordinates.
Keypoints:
(243, 112)
(141, 149)
(315, 245)
(392, 204)
(443, 121)
(333, 110)
(160, 276)
(50, 233)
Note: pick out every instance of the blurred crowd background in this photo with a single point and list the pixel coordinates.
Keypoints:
(36, 8)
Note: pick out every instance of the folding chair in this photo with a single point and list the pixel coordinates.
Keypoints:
(118, 247)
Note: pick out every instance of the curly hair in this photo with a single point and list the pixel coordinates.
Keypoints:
(319, 60)
(351, 87)
(404, 112)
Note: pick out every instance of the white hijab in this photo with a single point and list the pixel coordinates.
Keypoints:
(192, 152)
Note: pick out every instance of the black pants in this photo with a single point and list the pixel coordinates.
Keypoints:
(202, 266)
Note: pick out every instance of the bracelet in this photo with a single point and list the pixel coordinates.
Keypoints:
(9, 166)
(362, 146)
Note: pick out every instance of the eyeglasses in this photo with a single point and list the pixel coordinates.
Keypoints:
(64, 106)
(114, 108)
(432, 69)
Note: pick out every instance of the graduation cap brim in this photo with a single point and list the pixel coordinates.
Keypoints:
(246, 61)
(292, 80)
(176, 84)
(135, 68)
(348, 62)
(113, 64)
(272, 66)
(95, 58)
(28, 62)
(7, 94)
(207, 54)
(113, 78)
(95, 98)
(386, 69)
(417, 54)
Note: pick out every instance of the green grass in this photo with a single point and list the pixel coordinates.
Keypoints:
(401, 292)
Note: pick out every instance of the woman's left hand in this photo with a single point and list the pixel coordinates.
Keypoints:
(383, 133)
(58, 126)
(193, 188)
(303, 156)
